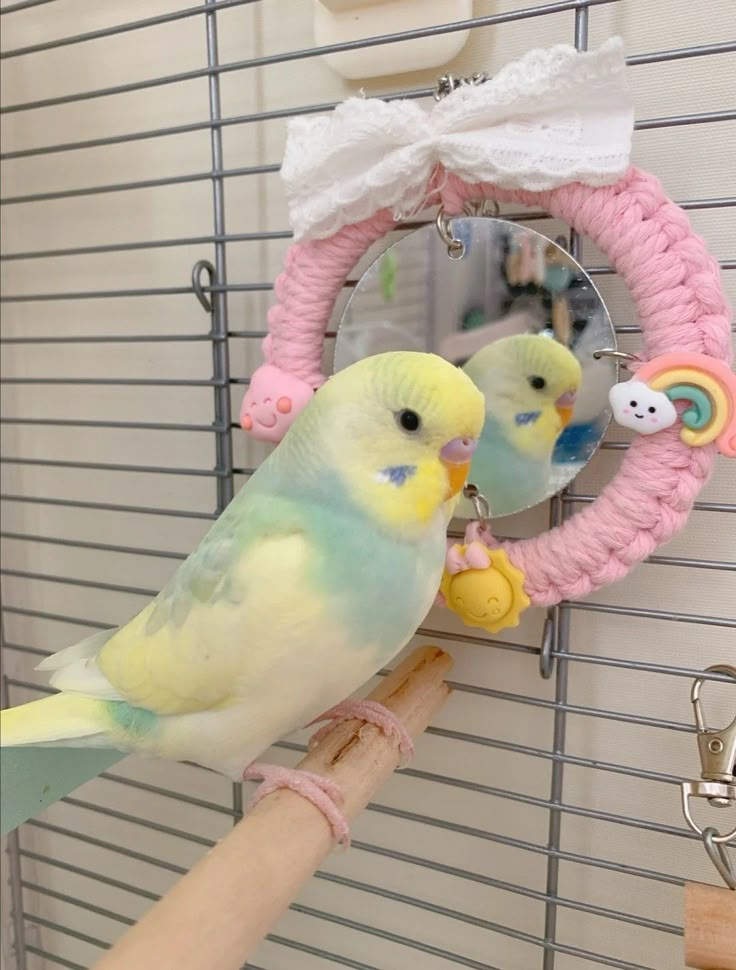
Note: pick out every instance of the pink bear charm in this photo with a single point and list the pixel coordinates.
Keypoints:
(272, 402)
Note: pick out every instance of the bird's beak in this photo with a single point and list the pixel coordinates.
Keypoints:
(456, 456)
(564, 406)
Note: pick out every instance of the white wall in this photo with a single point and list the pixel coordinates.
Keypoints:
(694, 162)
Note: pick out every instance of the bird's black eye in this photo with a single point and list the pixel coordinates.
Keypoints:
(632, 404)
(538, 383)
(409, 420)
(651, 410)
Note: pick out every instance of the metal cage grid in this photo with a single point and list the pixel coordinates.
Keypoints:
(546, 949)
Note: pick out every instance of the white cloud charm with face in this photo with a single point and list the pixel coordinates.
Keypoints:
(638, 407)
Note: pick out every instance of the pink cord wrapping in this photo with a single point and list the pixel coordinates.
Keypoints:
(676, 286)
(314, 274)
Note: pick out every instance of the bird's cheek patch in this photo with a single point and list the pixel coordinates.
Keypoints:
(527, 417)
(397, 474)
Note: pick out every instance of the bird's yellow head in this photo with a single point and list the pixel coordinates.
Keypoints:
(530, 383)
(400, 430)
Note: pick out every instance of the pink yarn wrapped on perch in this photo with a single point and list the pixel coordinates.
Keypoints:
(675, 284)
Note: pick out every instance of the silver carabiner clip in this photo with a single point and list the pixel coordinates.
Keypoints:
(717, 750)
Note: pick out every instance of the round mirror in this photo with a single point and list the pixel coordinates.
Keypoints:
(523, 320)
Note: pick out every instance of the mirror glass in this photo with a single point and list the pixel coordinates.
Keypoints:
(523, 319)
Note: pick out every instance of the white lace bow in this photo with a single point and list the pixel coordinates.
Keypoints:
(555, 116)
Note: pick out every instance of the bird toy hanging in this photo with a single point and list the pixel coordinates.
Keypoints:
(532, 135)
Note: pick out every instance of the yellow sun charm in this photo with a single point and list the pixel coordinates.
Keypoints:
(492, 598)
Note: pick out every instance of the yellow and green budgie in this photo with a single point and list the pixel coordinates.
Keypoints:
(529, 382)
(313, 578)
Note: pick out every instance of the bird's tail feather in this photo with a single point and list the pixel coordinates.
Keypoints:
(52, 720)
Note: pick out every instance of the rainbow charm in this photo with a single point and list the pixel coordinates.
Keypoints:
(645, 403)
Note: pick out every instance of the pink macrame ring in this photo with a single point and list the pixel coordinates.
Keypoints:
(676, 286)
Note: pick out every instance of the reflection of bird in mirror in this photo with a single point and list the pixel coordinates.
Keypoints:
(529, 383)
(458, 348)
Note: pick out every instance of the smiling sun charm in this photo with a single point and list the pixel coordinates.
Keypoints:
(491, 598)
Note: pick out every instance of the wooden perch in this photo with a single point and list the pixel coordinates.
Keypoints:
(217, 914)
(710, 927)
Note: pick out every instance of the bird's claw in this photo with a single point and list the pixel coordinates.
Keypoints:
(321, 792)
(372, 713)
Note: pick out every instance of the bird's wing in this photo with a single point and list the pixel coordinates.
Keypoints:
(187, 649)
(89, 647)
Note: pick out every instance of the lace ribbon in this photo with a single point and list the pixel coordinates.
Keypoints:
(555, 116)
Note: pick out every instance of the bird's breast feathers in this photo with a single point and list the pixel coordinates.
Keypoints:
(296, 610)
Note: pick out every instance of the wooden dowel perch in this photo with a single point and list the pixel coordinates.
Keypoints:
(710, 927)
(216, 915)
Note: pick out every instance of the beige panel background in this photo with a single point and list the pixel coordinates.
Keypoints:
(441, 823)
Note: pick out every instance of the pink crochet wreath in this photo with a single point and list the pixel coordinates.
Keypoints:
(676, 286)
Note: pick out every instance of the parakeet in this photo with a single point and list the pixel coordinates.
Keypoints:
(313, 578)
(529, 382)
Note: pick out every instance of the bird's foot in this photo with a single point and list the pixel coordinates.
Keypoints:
(321, 792)
(372, 713)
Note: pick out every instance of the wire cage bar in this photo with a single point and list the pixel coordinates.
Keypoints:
(541, 826)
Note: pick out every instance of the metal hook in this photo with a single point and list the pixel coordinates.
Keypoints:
(719, 857)
(203, 266)
(481, 505)
(475, 209)
(617, 355)
(455, 248)
(449, 83)
(546, 660)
